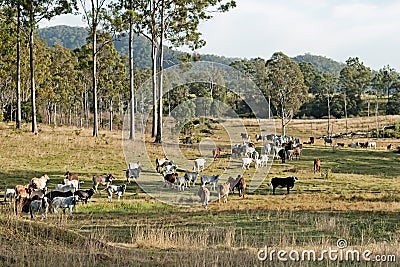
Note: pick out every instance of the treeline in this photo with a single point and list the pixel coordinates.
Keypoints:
(64, 79)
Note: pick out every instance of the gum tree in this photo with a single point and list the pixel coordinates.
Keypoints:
(286, 86)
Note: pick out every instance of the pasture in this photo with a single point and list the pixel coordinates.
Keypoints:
(355, 197)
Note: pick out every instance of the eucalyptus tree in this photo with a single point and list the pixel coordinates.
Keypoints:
(286, 86)
(354, 79)
(84, 78)
(112, 75)
(7, 41)
(386, 81)
(32, 12)
(175, 22)
(64, 89)
(11, 30)
(97, 15)
(128, 16)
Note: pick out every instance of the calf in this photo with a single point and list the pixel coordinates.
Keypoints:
(85, 195)
(246, 163)
(239, 183)
(287, 182)
(204, 195)
(53, 194)
(9, 193)
(217, 153)
(113, 189)
(169, 178)
(39, 206)
(371, 144)
(223, 191)
(105, 180)
(209, 179)
(340, 144)
(133, 172)
(198, 164)
(64, 203)
(181, 182)
(117, 190)
(317, 165)
(295, 152)
(22, 200)
(191, 177)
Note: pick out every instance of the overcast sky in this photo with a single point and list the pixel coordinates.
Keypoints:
(337, 29)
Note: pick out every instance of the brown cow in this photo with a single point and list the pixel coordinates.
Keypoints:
(105, 180)
(21, 197)
(317, 165)
(71, 176)
(217, 153)
(295, 152)
(239, 183)
(39, 183)
(170, 178)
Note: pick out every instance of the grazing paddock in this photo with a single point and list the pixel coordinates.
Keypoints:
(356, 196)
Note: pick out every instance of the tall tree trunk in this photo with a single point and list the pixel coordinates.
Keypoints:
(18, 74)
(154, 86)
(160, 77)
(111, 114)
(283, 121)
(32, 70)
(131, 78)
(55, 114)
(94, 78)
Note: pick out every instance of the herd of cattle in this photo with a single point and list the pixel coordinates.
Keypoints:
(35, 198)
(273, 146)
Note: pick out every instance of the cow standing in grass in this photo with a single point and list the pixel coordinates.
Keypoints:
(317, 165)
(287, 182)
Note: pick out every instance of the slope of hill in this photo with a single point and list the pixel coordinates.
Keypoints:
(320, 63)
(74, 37)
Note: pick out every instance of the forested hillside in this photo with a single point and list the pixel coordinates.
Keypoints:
(75, 37)
(321, 63)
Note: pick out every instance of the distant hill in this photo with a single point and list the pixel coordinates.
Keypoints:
(69, 37)
(74, 37)
(321, 63)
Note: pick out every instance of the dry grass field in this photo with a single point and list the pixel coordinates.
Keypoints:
(355, 197)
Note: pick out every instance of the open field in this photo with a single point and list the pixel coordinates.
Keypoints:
(355, 197)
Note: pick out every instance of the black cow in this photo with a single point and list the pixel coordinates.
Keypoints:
(287, 182)
(85, 195)
(51, 195)
(282, 155)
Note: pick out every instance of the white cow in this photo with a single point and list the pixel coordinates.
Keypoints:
(372, 144)
(9, 194)
(199, 164)
(263, 160)
(74, 183)
(246, 163)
